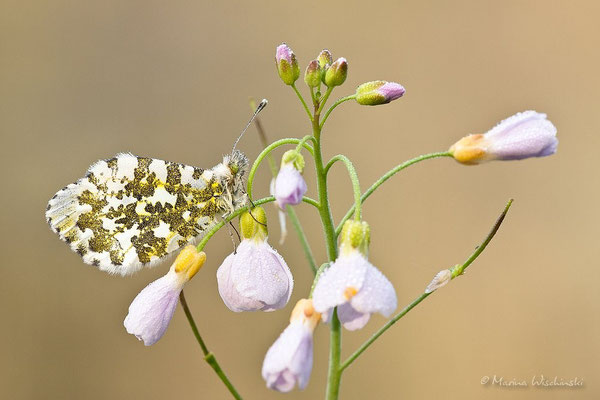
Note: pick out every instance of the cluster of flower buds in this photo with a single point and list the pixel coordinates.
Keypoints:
(523, 135)
(334, 73)
(320, 70)
(352, 284)
(151, 311)
(254, 277)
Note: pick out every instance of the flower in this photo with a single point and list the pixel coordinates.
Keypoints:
(289, 360)
(378, 92)
(290, 186)
(254, 277)
(152, 309)
(287, 66)
(352, 283)
(526, 134)
(336, 74)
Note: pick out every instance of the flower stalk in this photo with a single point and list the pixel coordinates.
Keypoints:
(209, 357)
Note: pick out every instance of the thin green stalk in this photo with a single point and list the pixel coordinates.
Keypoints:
(353, 178)
(457, 271)
(303, 141)
(302, 100)
(266, 152)
(237, 212)
(303, 240)
(384, 178)
(322, 102)
(209, 357)
(334, 105)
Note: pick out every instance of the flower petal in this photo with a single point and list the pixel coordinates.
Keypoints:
(289, 360)
(152, 309)
(347, 272)
(376, 295)
(352, 319)
(523, 135)
(255, 278)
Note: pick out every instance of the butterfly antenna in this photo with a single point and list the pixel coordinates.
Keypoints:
(260, 107)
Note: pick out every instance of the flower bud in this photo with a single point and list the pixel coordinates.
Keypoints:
(440, 279)
(524, 135)
(378, 92)
(312, 75)
(336, 73)
(325, 60)
(287, 66)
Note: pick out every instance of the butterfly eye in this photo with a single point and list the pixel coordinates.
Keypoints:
(234, 168)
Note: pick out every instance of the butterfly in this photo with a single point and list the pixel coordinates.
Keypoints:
(128, 212)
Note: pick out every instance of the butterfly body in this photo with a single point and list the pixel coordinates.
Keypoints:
(128, 212)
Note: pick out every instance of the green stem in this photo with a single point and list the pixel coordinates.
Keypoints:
(335, 348)
(353, 178)
(266, 152)
(460, 270)
(237, 212)
(384, 178)
(334, 105)
(334, 375)
(209, 357)
(322, 102)
(303, 240)
(302, 100)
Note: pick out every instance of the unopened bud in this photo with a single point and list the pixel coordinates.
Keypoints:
(325, 59)
(336, 73)
(312, 75)
(378, 92)
(440, 279)
(287, 66)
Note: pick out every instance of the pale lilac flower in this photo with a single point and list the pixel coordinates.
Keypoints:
(378, 92)
(254, 278)
(356, 287)
(289, 186)
(152, 309)
(526, 134)
(289, 360)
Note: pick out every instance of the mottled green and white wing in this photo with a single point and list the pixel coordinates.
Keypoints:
(130, 211)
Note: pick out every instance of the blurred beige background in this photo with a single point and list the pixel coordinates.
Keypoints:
(81, 81)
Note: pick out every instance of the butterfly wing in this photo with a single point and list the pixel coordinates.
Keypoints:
(129, 211)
